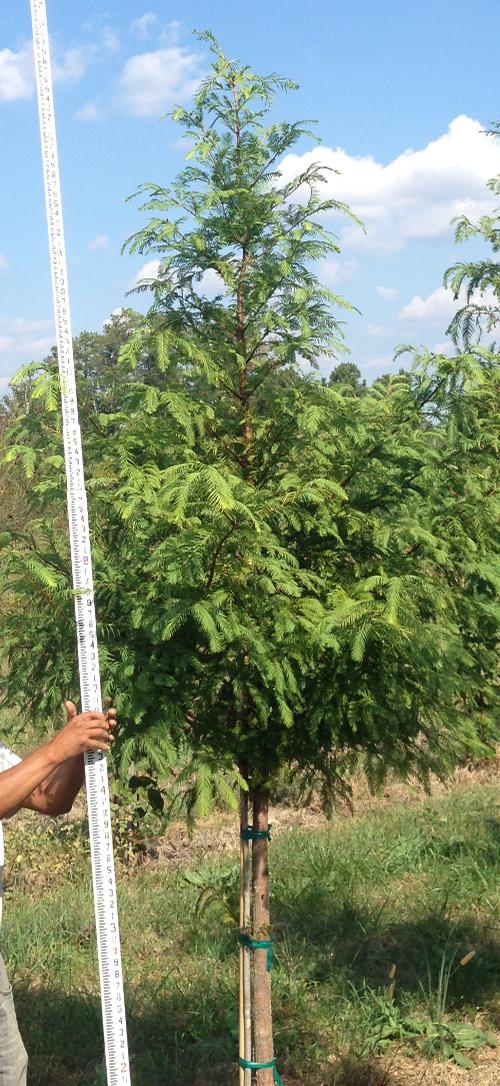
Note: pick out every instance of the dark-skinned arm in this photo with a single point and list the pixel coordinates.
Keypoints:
(56, 794)
(27, 784)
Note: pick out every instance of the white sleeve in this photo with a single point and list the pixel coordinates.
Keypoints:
(7, 758)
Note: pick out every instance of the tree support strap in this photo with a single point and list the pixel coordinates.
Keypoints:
(249, 834)
(258, 944)
(250, 1065)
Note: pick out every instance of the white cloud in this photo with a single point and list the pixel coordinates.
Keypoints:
(389, 294)
(441, 305)
(110, 40)
(22, 325)
(37, 347)
(333, 271)
(376, 330)
(16, 74)
(90, 111)
(24, 339)
(383, 363)
(71, 65)
(142, 26)
(171, 32)
(4, 263)
(151, 82)
(443, 347)
(417, 193)
(437, 307)
(148, 271)
(99, 243)
(210, 284)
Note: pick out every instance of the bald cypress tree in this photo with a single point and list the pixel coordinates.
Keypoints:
(287, 574)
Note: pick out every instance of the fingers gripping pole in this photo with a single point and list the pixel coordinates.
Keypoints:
(103, 875)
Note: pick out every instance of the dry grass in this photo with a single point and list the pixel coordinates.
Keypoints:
(420, 1072)
(217, 833)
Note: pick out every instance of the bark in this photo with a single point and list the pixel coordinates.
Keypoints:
(262, 1010)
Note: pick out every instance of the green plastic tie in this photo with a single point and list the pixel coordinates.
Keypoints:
(258, 944)
(249, 834)
(250, 1065)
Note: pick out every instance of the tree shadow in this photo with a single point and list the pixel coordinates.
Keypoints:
(185, 1035)
(63, 1036)
(357, 941)
(351, 1071)
(183, 1031)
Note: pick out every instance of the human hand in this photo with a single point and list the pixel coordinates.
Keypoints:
(83, 732)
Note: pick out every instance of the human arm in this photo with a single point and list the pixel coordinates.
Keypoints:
(57, 792)
(48, 780)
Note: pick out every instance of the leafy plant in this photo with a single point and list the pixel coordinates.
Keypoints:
(217, 889)
(138, 812)
(287, 573)
(450, 1039)
(381, 1022)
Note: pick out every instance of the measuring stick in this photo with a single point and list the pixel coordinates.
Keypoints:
(101, 844)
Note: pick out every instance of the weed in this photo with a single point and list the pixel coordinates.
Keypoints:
(450, 1040)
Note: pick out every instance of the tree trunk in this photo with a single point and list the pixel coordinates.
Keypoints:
(245, 1047)
(262, 1010)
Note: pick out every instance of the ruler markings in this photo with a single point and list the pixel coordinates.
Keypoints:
(103, 873)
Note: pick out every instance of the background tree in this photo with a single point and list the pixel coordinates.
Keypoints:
(286, 574)
(347, 373)
(479, 280)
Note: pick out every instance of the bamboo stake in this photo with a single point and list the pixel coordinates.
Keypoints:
(261, 926)
(247, 965)
(245, 1030)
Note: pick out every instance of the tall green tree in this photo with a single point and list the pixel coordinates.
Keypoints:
(283, 569)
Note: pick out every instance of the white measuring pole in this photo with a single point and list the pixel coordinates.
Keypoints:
(103, 873)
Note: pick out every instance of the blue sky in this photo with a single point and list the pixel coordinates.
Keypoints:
(401, 91)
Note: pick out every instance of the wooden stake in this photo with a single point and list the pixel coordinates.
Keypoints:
(261, 921)
(247, 971)
(245, 1024)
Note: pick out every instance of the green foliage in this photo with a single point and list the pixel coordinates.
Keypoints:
(287, 574)
(138, 812)
(218, 889)
(347, 373)
(480, 313)
(451, 1039)
(382, 1022)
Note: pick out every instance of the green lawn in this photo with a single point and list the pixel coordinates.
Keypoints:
(416, 887)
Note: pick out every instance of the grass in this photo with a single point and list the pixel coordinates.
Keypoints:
(371, 920)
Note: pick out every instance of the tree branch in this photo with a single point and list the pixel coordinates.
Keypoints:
(216, 555)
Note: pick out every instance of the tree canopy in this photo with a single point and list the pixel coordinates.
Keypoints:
(286, 574)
